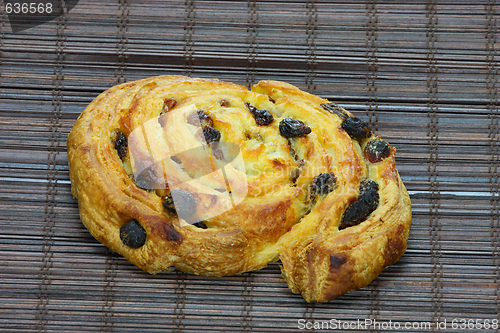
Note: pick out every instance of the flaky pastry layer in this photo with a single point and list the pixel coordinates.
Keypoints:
(268, 213)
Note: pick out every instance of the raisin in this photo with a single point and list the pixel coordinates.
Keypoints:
(121, 144)
(360, 209)
(224, 103)
(356, 128)
(168, 104)
(133, 234)
(210, 134)
(193, 119)
(200, 118)
(291, 128)
(218, 153)
(376, 150)
(149, 179)
(322, 184)
(185, 204)
(200, 224)
(336, 261)
(293, 153)
(168, 203)
(335, 109)
(367, 184)
(176, 159)
(205, 119)
(295, 174)
(262, 117)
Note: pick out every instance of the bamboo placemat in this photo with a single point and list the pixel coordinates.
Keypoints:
(423, 74)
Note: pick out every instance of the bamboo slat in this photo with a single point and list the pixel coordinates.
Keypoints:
(423, 74)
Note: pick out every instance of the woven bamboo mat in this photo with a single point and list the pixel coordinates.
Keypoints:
(423, 74)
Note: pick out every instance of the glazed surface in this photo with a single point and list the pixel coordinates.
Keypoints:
(269, 175)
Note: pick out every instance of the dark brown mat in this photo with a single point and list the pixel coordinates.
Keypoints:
(424, 74)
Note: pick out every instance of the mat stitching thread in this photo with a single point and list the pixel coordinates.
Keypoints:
(433, 136)
(311, 33)
(180, 303)
(2, 37)
(371, 78)
(111, 264)
(188, 37)
(309, 314)
(372, 64)
(247, 302)
(180, 288)
(493, 144)
(109, 292)
(252, 33)
(122, 41)
(52, 173)
(374, 304)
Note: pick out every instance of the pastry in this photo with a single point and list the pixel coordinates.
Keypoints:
(216, 180)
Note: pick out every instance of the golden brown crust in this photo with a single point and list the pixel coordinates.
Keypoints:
(270, 213)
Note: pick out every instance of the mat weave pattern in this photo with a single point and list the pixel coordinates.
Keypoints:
(423, 74)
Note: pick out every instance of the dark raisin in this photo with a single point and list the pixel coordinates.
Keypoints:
(200, 118)
(168, 203)
(218, 153)
(293, 153)
(210, 134)
(336, 261)
(356, 128)
(295, 174)
(176, 159)
(193, 119)
(184, 206)
(133, 234)
(200, 224)
(149, 179)
(121, 144)
(291, 128)
(168, 104)
(322, 184)
(376, 150)
(335, 109)
(367, 184)
(205, 119)
(225, 103)
(360, 209)
(262, 117)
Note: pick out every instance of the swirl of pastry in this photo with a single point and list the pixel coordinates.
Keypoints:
(216, 180)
